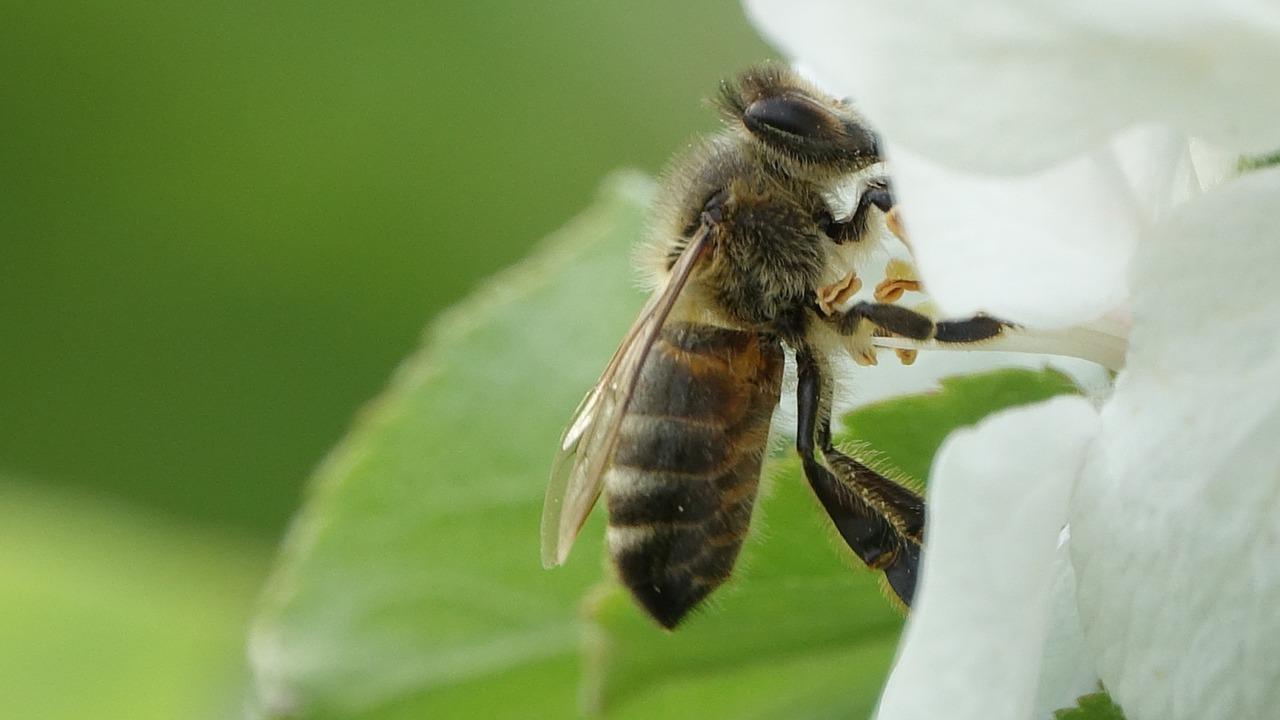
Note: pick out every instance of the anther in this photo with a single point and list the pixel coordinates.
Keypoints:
(831, 297)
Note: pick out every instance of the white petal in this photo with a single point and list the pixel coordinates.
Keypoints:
(1176, 523)
(1213, 165)
(974, 643)
(1020, 84)
(1208, 297)
(1048, 249)
(1067, 671)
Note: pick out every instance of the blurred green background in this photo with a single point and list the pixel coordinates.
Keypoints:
(221, 227)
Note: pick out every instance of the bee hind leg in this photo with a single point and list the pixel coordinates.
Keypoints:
(861, 502)
(901, 506)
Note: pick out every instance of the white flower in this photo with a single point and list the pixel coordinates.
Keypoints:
(1041, 158)
(979, 575)
(1176, 521)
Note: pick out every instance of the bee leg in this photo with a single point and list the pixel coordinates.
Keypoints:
(975, 329)
(864, 527)
(903, 507)
(878, 194)
(907, 323)
(887, 496)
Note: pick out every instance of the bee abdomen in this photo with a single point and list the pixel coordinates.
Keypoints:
(676, 539)
(648, 498)
(682, 483)
(670, 445)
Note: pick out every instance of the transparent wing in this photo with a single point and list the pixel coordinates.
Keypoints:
(587, 445)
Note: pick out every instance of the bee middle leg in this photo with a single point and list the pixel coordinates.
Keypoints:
(907, 323)
(881, 521)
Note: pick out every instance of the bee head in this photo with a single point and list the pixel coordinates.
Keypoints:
(796, 122)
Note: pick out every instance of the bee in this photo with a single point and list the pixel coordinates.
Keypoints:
(748, 262)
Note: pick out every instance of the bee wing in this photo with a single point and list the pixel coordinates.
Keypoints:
(573, 491)
(587, 446)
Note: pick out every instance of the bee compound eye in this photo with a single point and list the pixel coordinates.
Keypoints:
(791, 115)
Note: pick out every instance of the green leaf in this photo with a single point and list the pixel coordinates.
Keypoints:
(801, 631)
(410, 585)
(1098, 706)
(110, 613)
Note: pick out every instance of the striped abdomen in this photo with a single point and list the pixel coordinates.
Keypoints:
(683, 479)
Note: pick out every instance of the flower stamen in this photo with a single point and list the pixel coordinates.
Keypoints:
(900, 277)
(893, 220)
(837, 293)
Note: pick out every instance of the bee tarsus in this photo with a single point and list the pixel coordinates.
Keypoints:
(877, 195)
(974, 329)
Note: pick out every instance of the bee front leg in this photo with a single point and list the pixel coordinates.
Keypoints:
(878, 194)
(857, 508)
(903, 322)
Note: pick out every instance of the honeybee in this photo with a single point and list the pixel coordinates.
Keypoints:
(747, 259)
